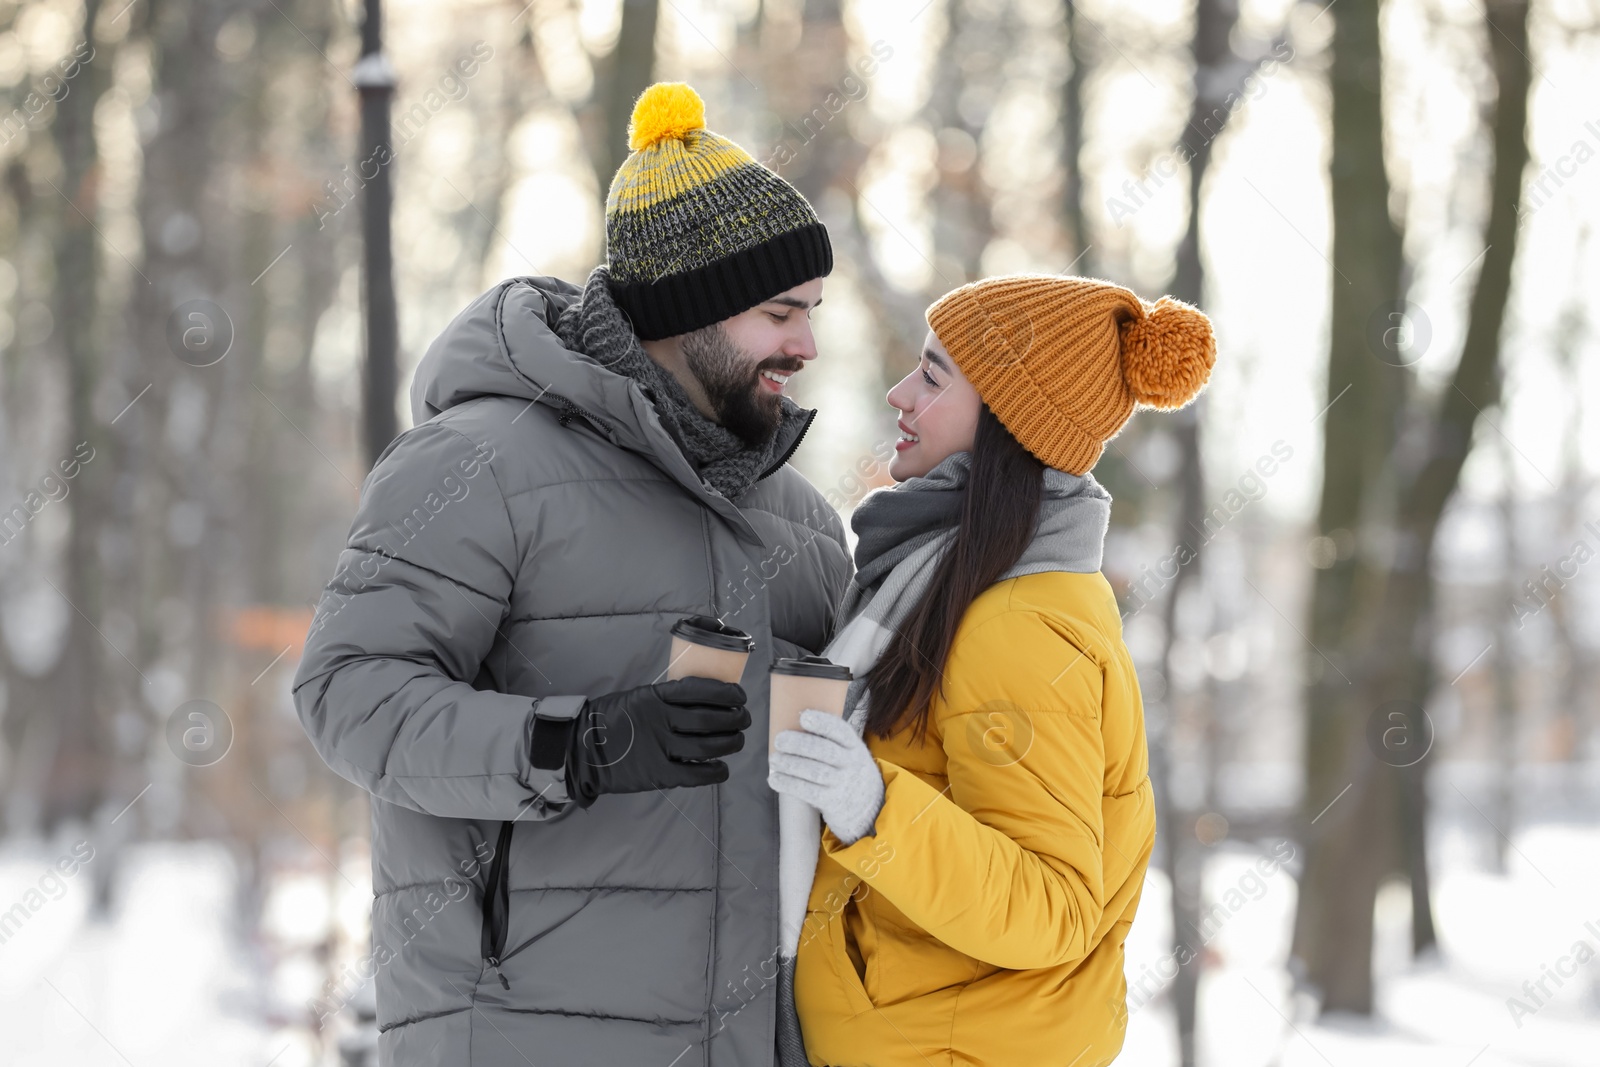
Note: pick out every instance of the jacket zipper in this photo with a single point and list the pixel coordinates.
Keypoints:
(497, 904)
(569, 411)
(801, 436)
(496, 897)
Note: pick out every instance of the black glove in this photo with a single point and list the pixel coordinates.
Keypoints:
(641, 739)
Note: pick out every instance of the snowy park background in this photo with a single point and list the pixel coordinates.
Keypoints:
(1349, 189)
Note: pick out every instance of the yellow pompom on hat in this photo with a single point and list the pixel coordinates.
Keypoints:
(666, 109)
(696, 230)
(1064, 361)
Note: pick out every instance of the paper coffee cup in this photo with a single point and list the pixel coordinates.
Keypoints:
(806, 682)
(703, 647)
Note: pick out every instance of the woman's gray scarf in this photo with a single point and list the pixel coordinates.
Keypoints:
(902, 533)
(596, 327)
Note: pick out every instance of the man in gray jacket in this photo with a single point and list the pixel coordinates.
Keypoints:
(575, 862)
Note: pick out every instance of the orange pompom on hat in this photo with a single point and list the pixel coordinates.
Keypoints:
(1064, 361)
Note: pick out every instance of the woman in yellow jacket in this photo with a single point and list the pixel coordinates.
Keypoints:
(985, 804)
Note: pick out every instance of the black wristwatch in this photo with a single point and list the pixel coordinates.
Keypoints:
(551, 740)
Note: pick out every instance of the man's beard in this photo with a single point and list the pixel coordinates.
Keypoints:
(732, 382)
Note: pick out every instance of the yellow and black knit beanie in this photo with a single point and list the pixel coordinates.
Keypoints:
(697, 230)
(1063, 361)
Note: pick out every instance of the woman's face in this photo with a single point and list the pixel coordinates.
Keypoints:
(938, 413)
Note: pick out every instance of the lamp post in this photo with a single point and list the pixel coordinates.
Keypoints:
(374, 79)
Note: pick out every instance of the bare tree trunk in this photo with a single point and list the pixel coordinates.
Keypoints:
(1413, 782)
(963, 226)
(1475, 386)
(1357, 842)
(1215, 69)
(626, 73)
(1217, 74)
(520, 91)
(1573, 709)
(1504, 712)
(1073, 209)
(818, 156)
(73, 688)
(374, 79)
(1176, 824)
(824, 155)
(1333, 924)
(181, 354)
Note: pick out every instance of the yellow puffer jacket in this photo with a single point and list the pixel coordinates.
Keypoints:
(982, 923)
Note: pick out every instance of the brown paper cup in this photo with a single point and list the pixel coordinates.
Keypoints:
(807, 682)
(702, 647)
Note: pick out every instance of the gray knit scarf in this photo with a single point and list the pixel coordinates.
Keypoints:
(595, 327)
(902, 533)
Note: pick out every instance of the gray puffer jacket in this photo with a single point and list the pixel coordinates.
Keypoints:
(532, 539)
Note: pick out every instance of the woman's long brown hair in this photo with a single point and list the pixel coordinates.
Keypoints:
(999, 513)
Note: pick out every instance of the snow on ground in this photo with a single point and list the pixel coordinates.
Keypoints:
(166, 981)
(163, 982)
(1539, 920)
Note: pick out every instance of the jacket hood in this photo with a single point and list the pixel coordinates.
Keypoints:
(504, 344)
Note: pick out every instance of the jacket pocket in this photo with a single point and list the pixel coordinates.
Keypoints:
(845, 973)
(497, 904)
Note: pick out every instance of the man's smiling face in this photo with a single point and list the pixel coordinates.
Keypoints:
(743, 363)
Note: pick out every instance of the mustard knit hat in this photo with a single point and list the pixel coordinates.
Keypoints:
(1064, 361)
